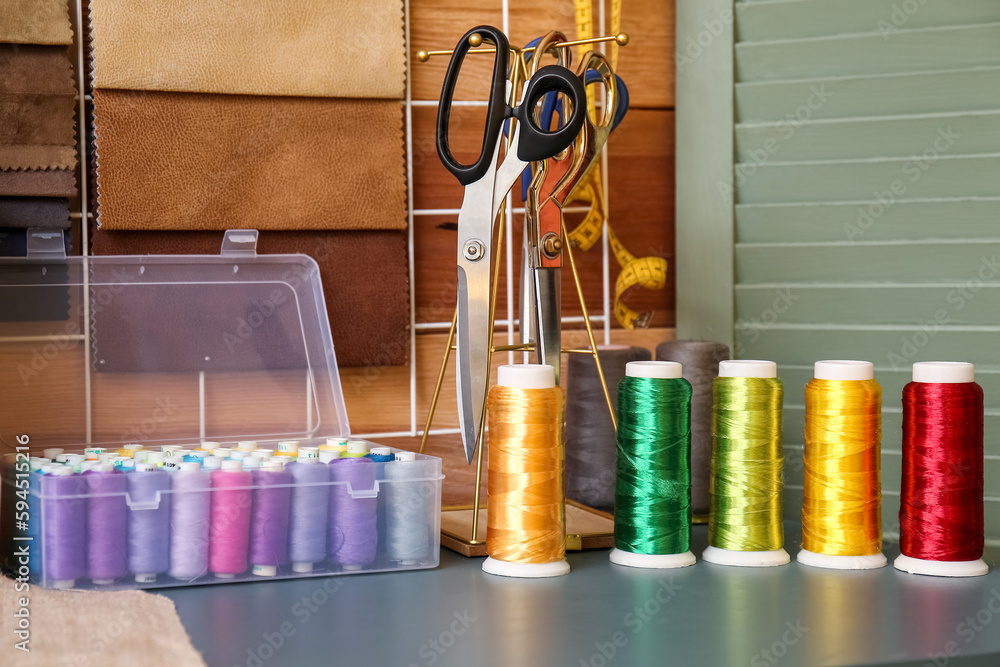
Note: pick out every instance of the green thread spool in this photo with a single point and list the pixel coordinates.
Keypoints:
(744, 525)
(653, 467)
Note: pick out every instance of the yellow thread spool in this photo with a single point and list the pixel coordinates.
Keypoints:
(842, 497)
(526, 509)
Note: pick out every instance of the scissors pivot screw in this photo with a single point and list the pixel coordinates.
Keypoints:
(475, 39)
(551, 245)
(474, 250)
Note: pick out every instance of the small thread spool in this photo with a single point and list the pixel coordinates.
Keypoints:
(308, 452)
(230, 530)
(335, 444)
(526, 510)
(288, 448)
(590, 433)
(133, 447)
(381, 454)
(148, 522)
(246, 445)
(210, 446)
(190, 519)
(222, 452)
(355, 449)
(251, 462)
(353, 535)
(745, 523)
(64, 527)
(94, 453)
(272, 502)
(170, 450)
(263, 454)
(941, 499)
(52, 453)
(327, 455)
(211, 463)
(700, 360)
(842, 496)
(409, 495)
(310, 503)
(653, 490)
(107, 523)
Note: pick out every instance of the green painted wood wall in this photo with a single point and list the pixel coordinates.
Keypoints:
(858, 210)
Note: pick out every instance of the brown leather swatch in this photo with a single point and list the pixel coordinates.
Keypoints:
(252, 47)
(34, 212)
(35, 22)
(38, 183)
(35, 69)
(364, 275)
(37, 157)
(182, 161)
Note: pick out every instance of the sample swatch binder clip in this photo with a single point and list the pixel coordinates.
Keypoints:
(173, 420)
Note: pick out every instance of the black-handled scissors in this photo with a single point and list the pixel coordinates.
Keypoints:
(486, 187)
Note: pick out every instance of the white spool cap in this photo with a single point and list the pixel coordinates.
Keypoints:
(250, 462)
(238, 454)
(263, 454)
(357, 447)
(146, 467)
(103, 467)
(327, 455)
(189, 466)
(526, 376)
(221, 452)
(214, 462)
(247, 445)
(156, 457)
(49, 467)
(200, 453)
(288, 447)
(265, 570)
(61, 471)
(748, 368)
(62, 458)
(170, 448)
(231, 466)
(813, 559)
(382, 451)
(86, 465)
(843, 369)
(52, 452)
(406, 456)
(934, 568)
(304, 458)
(308, 452)
(652, 561)
(336, 442)
(944, 372)
(176, 461)
(272, 465)
(135, 447)
(209, 445)
(661, 370)
(141, 456)
(35, 463)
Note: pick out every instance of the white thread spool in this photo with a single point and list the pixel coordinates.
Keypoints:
(942, 372)
(526, 376)
(747, 368)
(662, 370)
(847, 371)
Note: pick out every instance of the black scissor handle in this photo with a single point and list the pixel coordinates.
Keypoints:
(536, 143)
(495, 111)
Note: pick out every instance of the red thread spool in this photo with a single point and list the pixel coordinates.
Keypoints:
(941, 500)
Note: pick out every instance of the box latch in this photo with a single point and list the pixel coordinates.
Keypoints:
(46, 243)
(239, 243)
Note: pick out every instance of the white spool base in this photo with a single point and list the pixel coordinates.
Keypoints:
(265, 570)
(103, 582)
(62, 583)
(871, 562)
(302, 568)
(145, 578)
(746, 558)
(224, 575)
(652, 561)
(502, 568)
(351, 568)
(937, 568)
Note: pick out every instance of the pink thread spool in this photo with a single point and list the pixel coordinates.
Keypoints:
(230, 532)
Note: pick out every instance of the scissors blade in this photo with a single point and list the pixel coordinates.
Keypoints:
(526, 301)
(548, 338)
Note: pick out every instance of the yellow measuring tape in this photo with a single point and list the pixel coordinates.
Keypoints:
(647, 272)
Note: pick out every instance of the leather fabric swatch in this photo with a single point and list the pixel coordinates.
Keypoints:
(25, 212)
(35, 22)
(38, 183)
(365, 283)
(252, 47)
(183, 161)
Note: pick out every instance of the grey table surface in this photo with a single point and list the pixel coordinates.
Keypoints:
(601, 615)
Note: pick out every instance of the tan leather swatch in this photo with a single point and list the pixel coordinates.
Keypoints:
(364, 274)
(38, 183)
(203, 162)
(37, 157)
(34, 212)
(29, 119)
(35, 22)
(253, 47)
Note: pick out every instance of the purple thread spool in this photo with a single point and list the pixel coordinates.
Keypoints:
(310, 512)
(230, 532)
(64, 528)
(269, 521)
(107, 520)
(148, 522)
(353, 529)
(190, 518)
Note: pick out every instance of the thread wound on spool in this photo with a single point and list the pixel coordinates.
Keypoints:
(409, 510)
(230, 529)
(64, 528)
(107, 522)
(842, 497)
(190, 519)
(700, 360)
(590, 433)
(941, 499)
(270, 518)
(746, 464)
(309, 512)
(653, 470)
(525, 502)
(149, 527)
(353, 536)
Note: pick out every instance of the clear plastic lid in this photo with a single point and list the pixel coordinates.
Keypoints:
(164, 349)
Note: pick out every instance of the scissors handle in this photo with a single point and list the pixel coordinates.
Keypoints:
(538, 143)
(496, 109)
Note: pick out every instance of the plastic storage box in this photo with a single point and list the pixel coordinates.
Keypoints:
(215, 357)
